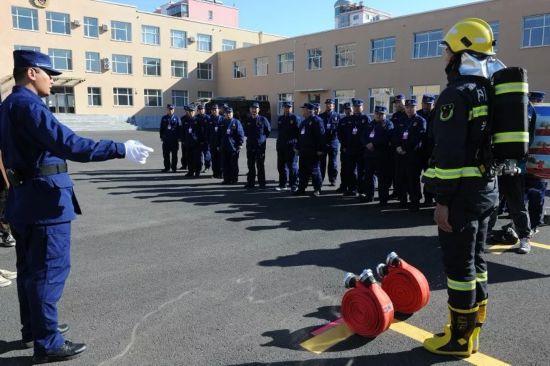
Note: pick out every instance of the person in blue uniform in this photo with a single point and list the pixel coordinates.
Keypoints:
(427, 112)
(356, 149)
(345, 120)
(407, 142)
(170, 126)
(256, 129)
(535, 187)
(288, 129)
(193, 132)
(310, 147)
(204, 121)
(399, 108)
(376, 139)
(231, 140)
(330, 120)
(214, 138)
(41, 202)
(186, 121)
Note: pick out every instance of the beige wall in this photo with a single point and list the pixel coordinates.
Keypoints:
(106, 12)
(401, 74)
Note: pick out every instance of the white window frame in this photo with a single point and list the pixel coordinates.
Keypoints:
(344, 55)
(282, 98)
(152, 97)
(58, 23)
(343, 96)
(209, 70)
(228, 44)
(261, 68)
(432, 42)
(178, 35)
(285, 63)
(151, 64)
(544, 30)
(239, 69)
(94, 92)
(314, 59)
(204, 94)
(58, 55)
(91, 28)
(150, 35)
(204, 42)
(124, 61)
(28, 48)
(122, 29)
(382, 96)
(175, 66)
(123, 93)
(93, 62)
(180, 100)
(19, 13)
(384, 47)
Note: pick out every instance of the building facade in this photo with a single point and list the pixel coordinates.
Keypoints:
(378, 60)
(119, 61)
(349, 14)
(208, 11)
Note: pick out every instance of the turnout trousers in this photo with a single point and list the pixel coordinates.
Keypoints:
(43, 265)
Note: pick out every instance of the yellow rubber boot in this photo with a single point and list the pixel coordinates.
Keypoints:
(481, 316)
(457, 339)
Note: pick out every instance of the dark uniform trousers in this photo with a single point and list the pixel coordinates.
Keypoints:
(407, 177)
(381, 167)
(287, 165)
(230, 166)
(352, 170)
(463, 248)
(309, 167)
(255, 159)
(535, 192)
(43, 265)
(330, 156)
(512, 189)
(216, 163)
(194, 158)
(184, 158)
(170, 154)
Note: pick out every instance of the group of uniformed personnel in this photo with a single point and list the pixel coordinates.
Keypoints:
(390, 150)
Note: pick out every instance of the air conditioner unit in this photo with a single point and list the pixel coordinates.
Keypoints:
(191, 39)
(76, 23)
(104, 27)
(106, 63)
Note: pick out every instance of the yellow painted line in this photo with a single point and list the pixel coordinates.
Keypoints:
(539, 245)
(327, 339)
(499, 248)
(420, 335)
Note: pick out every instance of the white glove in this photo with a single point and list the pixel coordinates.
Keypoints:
(136, 151)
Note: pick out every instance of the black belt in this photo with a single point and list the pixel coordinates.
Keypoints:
(18, 177)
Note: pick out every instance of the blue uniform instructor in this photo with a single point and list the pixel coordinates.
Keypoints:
(35, 147)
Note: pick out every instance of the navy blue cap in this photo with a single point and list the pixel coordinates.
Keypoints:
(227, 109)
(189, 108)
(399, 97)
(287, 104)
(316, 105)
(428, 98)
(357, 102)
(26, 58)
(255, 105)
(536, 95)
(200, 106)
(380, 109)
(309, 106)
(214, 106)
(347, 105)
(170, 106)
(329, 101)
(410, 102)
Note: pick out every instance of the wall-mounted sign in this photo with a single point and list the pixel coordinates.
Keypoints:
(41, 3)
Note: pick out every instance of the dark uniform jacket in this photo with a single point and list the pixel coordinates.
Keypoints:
(170, 129)
(330, 122)
(409, 133)
(379, 134)
(288, 129)
(352, 130)
(231, 135)
(204, 122)
(460, 128)
(214, 128)
(193, 132)
(311, 135)
(30, 138)
(257, 131)
(396, 117)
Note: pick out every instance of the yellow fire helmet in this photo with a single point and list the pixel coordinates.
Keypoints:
(470, 34)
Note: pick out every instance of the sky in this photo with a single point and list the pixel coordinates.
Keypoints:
(297, 17)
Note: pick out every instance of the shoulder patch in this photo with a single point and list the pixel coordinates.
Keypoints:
(446, 112)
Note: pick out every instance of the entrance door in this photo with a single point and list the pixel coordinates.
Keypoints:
(61, 100)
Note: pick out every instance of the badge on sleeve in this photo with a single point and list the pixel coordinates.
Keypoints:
(446, 112)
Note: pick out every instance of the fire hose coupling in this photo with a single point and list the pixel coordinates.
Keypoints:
(393, 259)
(382, 270)
(350, 280)
(367, 275)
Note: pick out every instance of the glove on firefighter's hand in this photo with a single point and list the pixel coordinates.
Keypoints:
(136, 151)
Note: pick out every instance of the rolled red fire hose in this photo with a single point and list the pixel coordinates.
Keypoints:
(367, 309)
(406, 286)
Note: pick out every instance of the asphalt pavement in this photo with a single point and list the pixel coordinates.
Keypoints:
(174, 271)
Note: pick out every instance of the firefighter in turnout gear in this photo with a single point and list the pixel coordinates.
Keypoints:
(465, 195)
